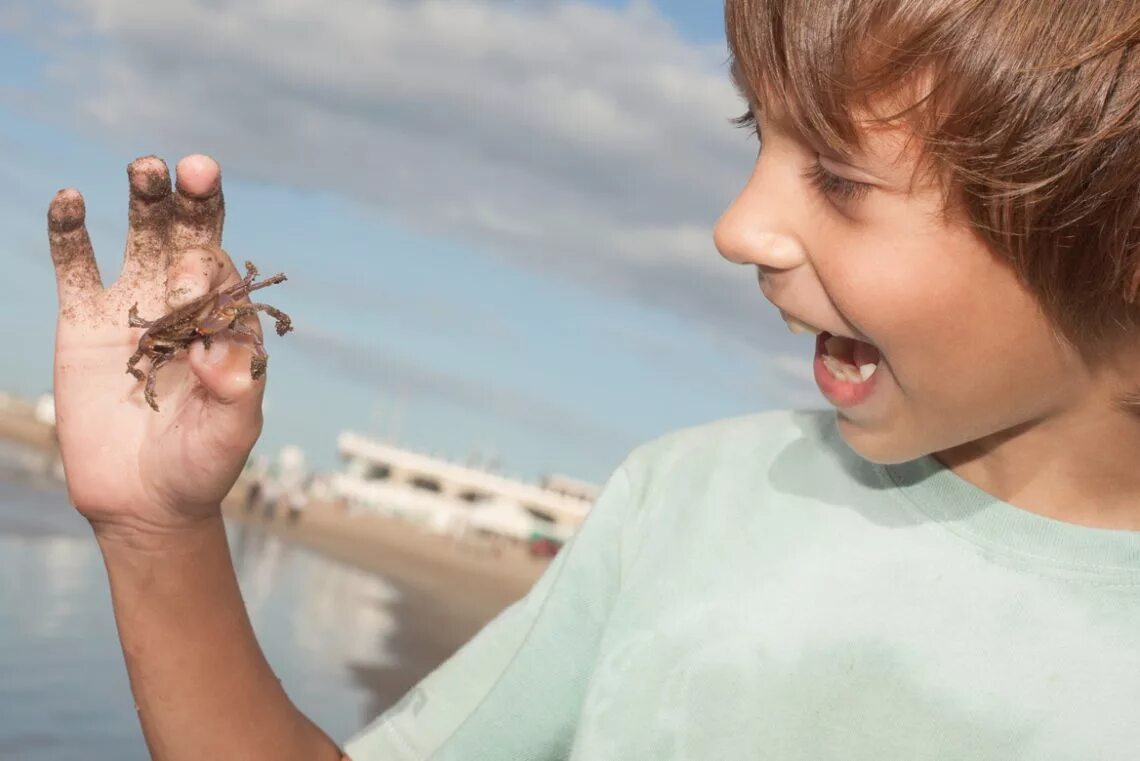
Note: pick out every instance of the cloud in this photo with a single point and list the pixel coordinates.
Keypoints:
(586, 142)
(417, 311)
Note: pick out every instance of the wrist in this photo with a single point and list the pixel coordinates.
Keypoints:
(147, 537)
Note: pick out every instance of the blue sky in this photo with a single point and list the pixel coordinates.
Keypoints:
(495, 216)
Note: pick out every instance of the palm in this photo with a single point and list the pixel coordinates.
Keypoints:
(126, 463)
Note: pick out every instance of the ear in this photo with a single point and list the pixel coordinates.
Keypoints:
(1134, 289)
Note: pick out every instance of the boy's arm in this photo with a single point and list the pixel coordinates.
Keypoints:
(202, 686)
(149, 471)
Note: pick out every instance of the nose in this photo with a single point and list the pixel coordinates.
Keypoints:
(756, 229)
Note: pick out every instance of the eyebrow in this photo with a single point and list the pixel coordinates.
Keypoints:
(855, 161)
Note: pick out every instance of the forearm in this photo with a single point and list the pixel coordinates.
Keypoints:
(202, 686)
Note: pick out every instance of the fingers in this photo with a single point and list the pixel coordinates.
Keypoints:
(224, 372)
(199, 210)
(197, 271)
(76, 273)
(149, 217)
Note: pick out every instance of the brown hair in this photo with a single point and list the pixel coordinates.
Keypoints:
(1028, 110)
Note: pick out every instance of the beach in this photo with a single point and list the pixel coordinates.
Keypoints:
(349, 612)
(449, 588)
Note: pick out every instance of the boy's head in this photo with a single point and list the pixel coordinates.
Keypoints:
(956, 182)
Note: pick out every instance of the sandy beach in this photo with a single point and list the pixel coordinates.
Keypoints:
(450, 589)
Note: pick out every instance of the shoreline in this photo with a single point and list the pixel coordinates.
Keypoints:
(495, 574)
(449, 589)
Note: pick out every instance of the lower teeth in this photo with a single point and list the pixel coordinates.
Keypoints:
(845, 372)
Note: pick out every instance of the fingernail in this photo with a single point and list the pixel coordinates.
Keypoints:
(217, 352)
(198, 176)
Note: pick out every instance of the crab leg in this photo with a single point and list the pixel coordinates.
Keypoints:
(152, 378)
(257, 363)
(134, 360)
(284, 321)
(250, 274)
(258, 346)
(247, 286)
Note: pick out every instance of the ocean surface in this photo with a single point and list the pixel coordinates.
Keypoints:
(326, 628)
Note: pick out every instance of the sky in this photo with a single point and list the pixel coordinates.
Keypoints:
(496, 215)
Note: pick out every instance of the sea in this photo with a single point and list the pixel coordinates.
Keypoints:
(330, 631)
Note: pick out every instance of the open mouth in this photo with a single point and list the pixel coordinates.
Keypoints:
(849, 360)
(845, 368)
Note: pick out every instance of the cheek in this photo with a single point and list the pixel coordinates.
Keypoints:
(947, 315)
(889, 298)
(968, 344)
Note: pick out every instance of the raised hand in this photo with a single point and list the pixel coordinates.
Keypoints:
(132, 471)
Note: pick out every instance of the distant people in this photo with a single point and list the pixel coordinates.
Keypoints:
(293, 481)
(255, 474)
(298, 500)
(270, 495)
(252, 495)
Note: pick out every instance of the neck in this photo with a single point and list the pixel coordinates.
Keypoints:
(1078, 466)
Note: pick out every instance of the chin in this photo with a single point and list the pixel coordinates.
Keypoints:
(883, 446)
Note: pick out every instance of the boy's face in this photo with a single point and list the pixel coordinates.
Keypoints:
(864, 249)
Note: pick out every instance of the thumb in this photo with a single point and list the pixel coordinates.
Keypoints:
(225, 371)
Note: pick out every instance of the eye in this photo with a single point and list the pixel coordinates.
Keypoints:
(834, 187)
(838, 189)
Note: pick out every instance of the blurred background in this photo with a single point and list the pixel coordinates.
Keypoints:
(496, 220)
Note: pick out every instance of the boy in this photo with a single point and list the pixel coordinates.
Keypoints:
(947, 567)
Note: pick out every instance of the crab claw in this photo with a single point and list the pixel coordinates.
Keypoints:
(133, 319)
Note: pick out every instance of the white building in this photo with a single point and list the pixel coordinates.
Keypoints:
(456, 499)
(45, 409)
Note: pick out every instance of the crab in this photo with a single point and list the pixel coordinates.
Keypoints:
(202, 319)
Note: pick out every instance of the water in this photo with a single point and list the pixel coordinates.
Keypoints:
(326, 628)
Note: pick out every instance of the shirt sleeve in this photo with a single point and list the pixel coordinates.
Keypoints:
(515, 691)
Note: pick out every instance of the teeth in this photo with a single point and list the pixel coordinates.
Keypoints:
(840, 369)
(835, 346)
(849, 373)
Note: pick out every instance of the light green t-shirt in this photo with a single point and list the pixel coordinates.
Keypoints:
(752, 589)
